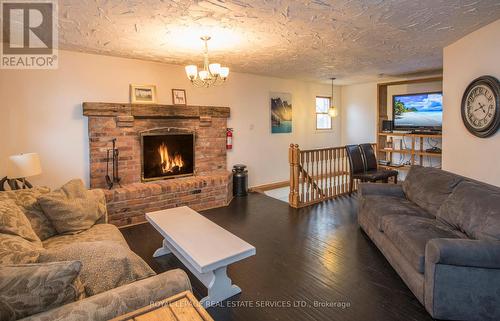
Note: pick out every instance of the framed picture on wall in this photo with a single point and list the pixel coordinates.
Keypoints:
(179, 97)
(143, 94)
(281, 113)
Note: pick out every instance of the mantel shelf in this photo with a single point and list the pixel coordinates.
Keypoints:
(101, 109)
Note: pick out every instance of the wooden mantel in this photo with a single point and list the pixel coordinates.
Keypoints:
(153, 111)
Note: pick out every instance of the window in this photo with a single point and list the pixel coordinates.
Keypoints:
(323, 119)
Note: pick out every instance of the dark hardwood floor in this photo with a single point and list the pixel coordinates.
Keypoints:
(305, 258)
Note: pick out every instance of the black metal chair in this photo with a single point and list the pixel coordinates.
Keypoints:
(364, 166)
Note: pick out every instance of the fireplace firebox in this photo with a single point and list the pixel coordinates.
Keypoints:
(167, 155)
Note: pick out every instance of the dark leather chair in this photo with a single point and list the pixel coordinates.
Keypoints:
(364, 166)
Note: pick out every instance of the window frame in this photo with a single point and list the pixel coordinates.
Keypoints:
(316, 113)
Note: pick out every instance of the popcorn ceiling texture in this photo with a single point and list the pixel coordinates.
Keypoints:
(309, 40)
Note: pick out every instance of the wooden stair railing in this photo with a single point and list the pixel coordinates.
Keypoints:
(317, 175)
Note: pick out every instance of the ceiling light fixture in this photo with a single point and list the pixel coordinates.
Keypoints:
(332, 111)
(211, 74)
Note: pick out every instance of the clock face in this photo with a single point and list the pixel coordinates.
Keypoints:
(480, 107)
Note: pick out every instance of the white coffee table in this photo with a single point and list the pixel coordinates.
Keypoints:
(204, 247)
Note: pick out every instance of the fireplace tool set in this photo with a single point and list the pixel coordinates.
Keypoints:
(111, 181)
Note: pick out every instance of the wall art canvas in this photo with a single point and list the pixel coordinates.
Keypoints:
(281, 113)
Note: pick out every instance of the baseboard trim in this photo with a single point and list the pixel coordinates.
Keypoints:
(270, 186)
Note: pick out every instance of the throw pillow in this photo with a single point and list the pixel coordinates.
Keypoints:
(28, 289)
(73, 208)
(106, 264)
(16, 250)
(27, 200)
(14, 222)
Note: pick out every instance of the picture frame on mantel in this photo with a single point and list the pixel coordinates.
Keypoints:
(143, 94)
(179, 97)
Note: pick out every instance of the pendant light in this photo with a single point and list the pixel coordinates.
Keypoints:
(332, 111)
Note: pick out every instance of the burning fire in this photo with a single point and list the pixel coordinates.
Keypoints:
(168, 162)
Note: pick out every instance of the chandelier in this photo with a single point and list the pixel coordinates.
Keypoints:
(211, 74)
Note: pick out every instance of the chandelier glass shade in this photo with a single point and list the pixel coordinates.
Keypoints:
(212, 74)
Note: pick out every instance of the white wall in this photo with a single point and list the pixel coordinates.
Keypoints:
(40, 111)
(359, 113)
(475, 55)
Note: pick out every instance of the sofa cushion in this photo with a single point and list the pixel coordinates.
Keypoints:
(106, 265)
(429, 187)
(474, 209)
(16, 250)
(98, 232)
(28, 289)
(27, 200)
(14, 222)
(72, 208)
(410, 234)
(374, 207)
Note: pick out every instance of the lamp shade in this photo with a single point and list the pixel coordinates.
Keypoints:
(332, 111)
(191, 72)
(224, 72)
(214, 69)
(24, 165)
(203, 74)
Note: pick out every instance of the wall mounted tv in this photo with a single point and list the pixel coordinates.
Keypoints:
(418, 111)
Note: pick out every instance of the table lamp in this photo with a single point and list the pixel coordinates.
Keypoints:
(19, 168)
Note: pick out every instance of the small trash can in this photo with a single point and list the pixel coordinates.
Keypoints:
(240, 180)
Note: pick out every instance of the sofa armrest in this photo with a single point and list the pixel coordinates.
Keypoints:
(119, 301)
(462, 279)
(464, 252)
(381, 189)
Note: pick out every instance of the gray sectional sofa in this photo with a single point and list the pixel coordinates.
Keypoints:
(441, 233)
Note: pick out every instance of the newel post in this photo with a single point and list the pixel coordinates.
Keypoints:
(293, 159)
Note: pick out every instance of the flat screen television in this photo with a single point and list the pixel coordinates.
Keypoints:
(418, 111)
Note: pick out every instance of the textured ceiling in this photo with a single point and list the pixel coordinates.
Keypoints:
(307, 39)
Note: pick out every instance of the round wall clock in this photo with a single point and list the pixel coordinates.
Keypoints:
(481, 106)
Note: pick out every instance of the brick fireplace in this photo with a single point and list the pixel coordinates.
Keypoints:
(169, 156)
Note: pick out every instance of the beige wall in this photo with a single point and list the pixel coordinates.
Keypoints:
(475, 55)
(359, 113)
(40, 111)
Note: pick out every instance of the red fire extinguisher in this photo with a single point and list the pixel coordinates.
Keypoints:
(229, 138)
